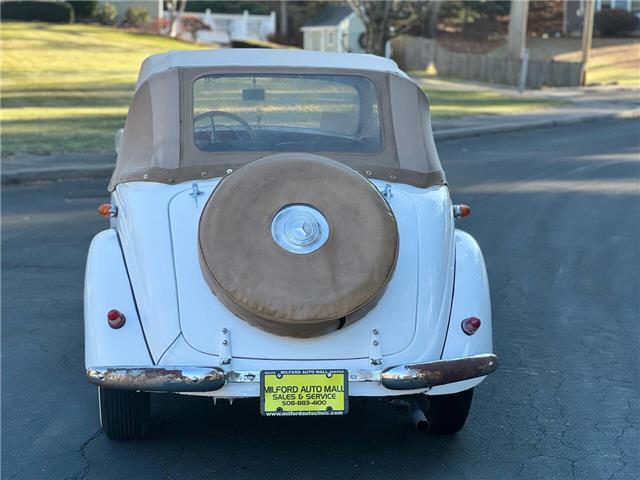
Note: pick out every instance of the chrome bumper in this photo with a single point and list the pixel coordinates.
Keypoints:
(158, 379)
(440, 372)
(208, 379)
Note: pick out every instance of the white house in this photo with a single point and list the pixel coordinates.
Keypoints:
(335, 29)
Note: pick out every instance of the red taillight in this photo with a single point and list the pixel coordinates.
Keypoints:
(471, 325)
(115, 318)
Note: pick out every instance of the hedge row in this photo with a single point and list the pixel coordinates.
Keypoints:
(611, 22)
(52, 11)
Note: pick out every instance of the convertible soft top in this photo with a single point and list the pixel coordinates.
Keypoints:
(241, 57)
(158, 142)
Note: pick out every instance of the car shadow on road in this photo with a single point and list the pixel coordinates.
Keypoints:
(193, 438)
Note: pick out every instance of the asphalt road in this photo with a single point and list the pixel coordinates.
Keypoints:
(556, 212)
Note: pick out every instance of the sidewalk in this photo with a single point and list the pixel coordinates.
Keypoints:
(584, 104)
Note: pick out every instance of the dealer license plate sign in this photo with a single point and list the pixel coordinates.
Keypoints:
(303, 392)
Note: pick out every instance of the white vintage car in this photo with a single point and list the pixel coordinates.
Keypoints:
(281, 228)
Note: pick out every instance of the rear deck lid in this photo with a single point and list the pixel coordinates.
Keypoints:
(203, 317)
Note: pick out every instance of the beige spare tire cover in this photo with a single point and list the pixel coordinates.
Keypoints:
(293, 294)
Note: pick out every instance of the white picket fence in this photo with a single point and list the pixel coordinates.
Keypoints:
(226, 27)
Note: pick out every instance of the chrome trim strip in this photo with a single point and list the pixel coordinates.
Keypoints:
(158, 379)
(440, 372)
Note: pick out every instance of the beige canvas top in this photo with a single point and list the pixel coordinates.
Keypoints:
(158, 143)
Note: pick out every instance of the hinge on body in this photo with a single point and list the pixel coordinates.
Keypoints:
(224, 349)
(375, 348)
(386, 191)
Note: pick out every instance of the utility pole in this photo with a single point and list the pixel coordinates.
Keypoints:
(587, 35)
(517, 36)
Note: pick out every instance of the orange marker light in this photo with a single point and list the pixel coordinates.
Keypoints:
(107, 210)
(462, 210)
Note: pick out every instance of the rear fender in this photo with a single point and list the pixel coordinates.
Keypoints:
(470, 299)
(106, 287)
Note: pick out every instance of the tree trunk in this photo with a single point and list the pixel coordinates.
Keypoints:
(376, 39)
(431, 29)
(173, 31)
(176, 13)
(284, 21)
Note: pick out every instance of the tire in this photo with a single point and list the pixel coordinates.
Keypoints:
(446, 414)
(124, 414)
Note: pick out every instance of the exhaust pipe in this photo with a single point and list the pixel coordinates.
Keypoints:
(418, 418)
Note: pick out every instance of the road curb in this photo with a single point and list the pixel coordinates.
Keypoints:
(105, 170)
(455, 133)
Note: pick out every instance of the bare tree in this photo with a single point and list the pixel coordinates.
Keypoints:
(429, 21)
(284, 20)
(385, 19)
(176, 9)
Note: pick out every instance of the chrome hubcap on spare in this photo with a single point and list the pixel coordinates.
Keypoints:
(299, 229)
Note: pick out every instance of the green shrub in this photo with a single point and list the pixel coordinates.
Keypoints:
(85, 9)
(106, 13)
(613, 21)
(52, 11)
(136, 16)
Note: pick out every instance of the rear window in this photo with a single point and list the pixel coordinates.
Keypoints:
(303, 113)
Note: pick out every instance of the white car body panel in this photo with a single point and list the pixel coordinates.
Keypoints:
(202, 316)
(107, 287)
(144, 230)
(470, 299)
(169, 289)
(171, 303)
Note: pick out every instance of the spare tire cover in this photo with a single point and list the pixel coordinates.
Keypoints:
(287, 292)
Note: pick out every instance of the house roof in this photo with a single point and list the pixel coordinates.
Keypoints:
(330, 16)
(263, 57)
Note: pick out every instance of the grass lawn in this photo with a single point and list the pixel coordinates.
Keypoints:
(611, 62)
(67, 88)
(457, 98)
(451, 104)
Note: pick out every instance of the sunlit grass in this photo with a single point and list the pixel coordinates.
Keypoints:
(458, 98)
(450, 103)
(67, 88)
(611, 64)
